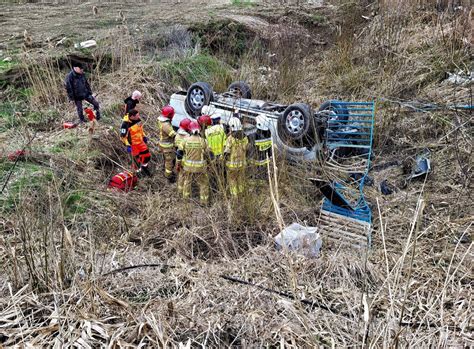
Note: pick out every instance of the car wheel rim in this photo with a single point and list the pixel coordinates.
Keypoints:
(197, 98)
(295, 122)
(236, 91)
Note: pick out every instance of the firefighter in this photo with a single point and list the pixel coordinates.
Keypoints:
(193, 154)
(204, 121)
(216, 138)
(181, 136)
(134, 138)
(166, 140)
(262, 148)
(132, 101)
(235, 152)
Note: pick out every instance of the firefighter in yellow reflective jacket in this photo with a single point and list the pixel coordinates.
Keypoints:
(236, 157)
(181, 136)
(262, 148)
(193, 154)
(216, 138)
(166, 140)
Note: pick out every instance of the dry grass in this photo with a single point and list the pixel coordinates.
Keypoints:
(62, 243)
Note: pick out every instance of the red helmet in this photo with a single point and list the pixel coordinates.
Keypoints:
(194, 126)
(184, 124)
(167, 112)
(205, 120)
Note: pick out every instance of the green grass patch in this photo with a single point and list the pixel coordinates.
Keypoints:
(26, 180)
(317, 18)
(225, 38)
(243, 3)
(75, 203)
(7, 65)
(202, 67)
(14, 114)
(113, 112)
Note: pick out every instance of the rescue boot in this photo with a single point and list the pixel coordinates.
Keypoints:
(146, 171)
(171, 178)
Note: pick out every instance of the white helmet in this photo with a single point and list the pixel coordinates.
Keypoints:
(136, 94)
(262, 122)
(235, 124)
(208, 110)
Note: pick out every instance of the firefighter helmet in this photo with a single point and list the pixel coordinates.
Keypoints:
(235, 124)
(136, 94)
(208, 110)
(262, 122)
(167, 113)
(194, 127)
(184, 124)
(204, 120)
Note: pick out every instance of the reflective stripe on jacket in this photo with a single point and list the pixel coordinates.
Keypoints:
(131, 131)
(179, 139)
(237, 150)
(263, 144)
(167, 134)
(263, 149)
(216, 137)
(194, 149)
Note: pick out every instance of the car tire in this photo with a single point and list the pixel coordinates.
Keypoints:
(296, 125)
(340, 113)
(198, 95)
(241, 89)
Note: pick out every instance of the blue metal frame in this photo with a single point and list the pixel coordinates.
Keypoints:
(354, 133)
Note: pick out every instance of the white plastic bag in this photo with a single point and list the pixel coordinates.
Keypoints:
(304, 240)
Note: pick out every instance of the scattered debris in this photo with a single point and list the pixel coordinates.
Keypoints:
(357, 176)
(27, 39)
(62, 41)
(422, 166)
(386, 188)
(304, 240)
(386, 165)
(460, 78)
(124, 181)
(7, 59)
(330, 193)
(463, 238)
(86, 44)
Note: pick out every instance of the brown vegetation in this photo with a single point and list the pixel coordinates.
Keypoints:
(65, 240)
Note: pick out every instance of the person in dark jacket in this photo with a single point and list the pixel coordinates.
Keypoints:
(78, 89)
(132, 101)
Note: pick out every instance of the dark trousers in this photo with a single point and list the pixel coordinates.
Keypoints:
(80, 111)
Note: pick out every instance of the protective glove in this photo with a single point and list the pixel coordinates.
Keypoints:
(129, 149)
(145, 139)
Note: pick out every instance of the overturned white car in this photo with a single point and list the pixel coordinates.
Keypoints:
(296, 129)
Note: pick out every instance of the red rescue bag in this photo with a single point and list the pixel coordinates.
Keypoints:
(19, 154)
(69, 124)
(124, 181)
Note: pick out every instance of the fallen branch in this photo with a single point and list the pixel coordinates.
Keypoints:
(157, 265)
